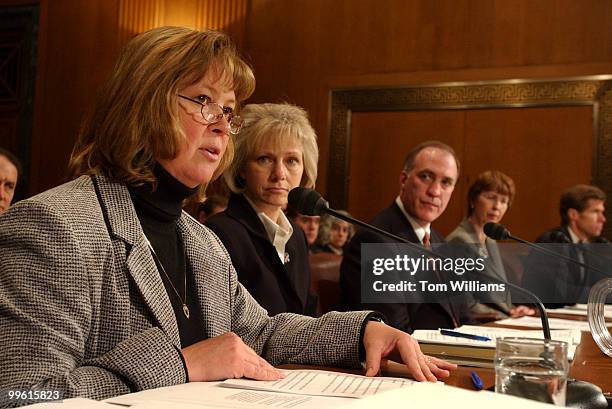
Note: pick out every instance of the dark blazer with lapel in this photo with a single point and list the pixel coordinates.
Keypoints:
(83, 308)
(405, 316)
(556, 281)
(276, 286)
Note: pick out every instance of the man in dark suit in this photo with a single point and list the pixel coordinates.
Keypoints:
(427, 181)
(559, 282)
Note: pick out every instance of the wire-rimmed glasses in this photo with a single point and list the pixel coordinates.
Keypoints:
(212, 113)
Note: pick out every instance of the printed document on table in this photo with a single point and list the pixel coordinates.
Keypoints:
(607, 308)
(556, 323)
(571, 336)
(323, 383)
(576, 311)
(211, 395)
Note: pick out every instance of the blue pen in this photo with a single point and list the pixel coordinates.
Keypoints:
(463, 335)
(476, 381)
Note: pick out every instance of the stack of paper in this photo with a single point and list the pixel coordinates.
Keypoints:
(579, 310)
(300, 389)
(471, 352)
(556, 323)
(314, 389)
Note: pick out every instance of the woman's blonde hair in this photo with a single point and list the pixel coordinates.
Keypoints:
(327, 221)
(135, 118)
(277, 123)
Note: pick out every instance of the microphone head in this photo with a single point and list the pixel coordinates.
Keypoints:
(307, 201)
(559, 237)
(496, 231)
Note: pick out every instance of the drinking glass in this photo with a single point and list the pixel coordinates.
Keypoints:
(532, 368)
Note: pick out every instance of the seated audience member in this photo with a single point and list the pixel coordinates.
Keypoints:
(10, 168)
(309, 224)
(425, 186)
(107, 287)
(559, 282)
(334, 233)
(210, 206)
(275, 152)
(489, 197)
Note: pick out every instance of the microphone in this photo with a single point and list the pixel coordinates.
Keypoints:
(579, 393)
(557, 236)
(497, 231)
(309, 202)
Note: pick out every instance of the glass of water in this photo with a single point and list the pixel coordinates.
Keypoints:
(532, 368)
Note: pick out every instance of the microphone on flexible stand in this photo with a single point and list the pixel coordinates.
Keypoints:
(497, 231)
(579, 393)
(310, 203)
(559, 237)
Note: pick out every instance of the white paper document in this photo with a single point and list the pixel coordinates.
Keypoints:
(211, 395)
(578, 311)
(571, 336)
(556, 323)
(323, 383)
(435, 396)
(584, 307)
(73, 403)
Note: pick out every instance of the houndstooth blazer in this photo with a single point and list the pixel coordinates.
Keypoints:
(83, 308)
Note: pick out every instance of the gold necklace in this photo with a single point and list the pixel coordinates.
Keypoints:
(158, 261)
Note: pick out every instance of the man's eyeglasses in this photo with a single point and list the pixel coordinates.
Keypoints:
(212, 113)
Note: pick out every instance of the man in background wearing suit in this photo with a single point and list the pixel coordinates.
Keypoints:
(427, 181)
(581, 208)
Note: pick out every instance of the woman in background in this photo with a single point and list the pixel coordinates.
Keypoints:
(489, 197)
(334, 233)
(275, 152)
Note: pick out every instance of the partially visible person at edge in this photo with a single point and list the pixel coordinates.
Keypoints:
(489, 197)
(275, 152)
(107, 287)
(210, 206)
(559, 282)
(10, 169)
(334, 233)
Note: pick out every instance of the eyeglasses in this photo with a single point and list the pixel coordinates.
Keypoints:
(212, 113)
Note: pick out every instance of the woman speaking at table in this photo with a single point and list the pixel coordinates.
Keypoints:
(107, 287)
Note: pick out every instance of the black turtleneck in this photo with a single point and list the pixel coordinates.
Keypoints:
(158, 212)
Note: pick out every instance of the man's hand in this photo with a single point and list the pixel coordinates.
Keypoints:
(521, 310)
(384, 342)
(224, 357)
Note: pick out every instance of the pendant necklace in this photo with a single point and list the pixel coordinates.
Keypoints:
(159, 263)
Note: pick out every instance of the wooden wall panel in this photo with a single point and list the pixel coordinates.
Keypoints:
(77, 48)
(545, 150)
(379, 144)
(303, 48)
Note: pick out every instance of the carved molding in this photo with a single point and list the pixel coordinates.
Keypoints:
(595, 91)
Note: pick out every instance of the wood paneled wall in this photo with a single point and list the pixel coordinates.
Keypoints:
(301, 49)
(305, 48)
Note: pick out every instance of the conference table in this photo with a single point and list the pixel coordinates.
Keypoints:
(589, 364)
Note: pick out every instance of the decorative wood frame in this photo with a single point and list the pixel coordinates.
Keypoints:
(595, 91)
